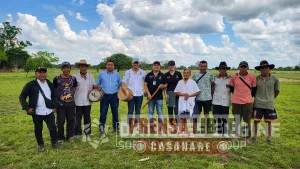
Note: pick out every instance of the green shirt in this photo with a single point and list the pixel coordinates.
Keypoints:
(265, 93)
(204, 85)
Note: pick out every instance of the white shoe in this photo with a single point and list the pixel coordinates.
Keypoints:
(217, 135)
(226, 136)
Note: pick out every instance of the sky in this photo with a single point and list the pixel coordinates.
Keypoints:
(186, 31)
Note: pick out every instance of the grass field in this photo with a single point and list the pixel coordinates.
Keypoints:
(18, 148)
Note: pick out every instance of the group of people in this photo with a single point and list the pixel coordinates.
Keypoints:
(67, 96)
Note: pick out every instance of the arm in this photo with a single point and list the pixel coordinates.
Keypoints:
(276, 88)
(23, 96)
(194, 94)
(212, 84)
(231, 84)
(254, 86)
(98, 83)
(147, 90)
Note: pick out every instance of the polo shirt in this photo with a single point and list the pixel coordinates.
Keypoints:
(152, 86)
(221, 95)
(204, 85)
(172, 80)
(265, 93)
(242, 94)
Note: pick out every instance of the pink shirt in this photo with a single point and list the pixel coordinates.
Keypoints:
(242, 94)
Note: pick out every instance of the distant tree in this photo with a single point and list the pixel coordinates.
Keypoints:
(3, 56)
(120, 60)
(297, 67)
(41, 58)
(16, 58)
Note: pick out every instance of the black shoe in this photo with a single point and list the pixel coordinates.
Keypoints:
(41, 148)
(57, 146)
(270, 143)
(253, 140)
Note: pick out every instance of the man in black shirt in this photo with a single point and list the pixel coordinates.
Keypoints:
(155, 81)
(172, 77)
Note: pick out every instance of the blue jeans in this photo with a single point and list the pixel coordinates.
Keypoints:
(158, 104)
(113, 101)
(135, 104)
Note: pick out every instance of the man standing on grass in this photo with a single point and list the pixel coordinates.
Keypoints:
(154, 81)
(204, 81)
(134, 79)
(221, 100)
(267, 91)
(85, 83)
(109, 82)
(65, 85)
(36, 107)
(172, 77)
(243, 85)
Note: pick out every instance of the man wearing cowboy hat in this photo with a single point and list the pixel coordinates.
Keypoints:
(134, 79)
(221, 100)
(267, 91)
(85, 83)
(65, 85)
(242, 85)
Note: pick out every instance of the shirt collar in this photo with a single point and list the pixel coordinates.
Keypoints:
(264, 78)
(109, 72)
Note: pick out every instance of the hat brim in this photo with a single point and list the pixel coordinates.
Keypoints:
(219, 68)
(78, 63)
(271, 66)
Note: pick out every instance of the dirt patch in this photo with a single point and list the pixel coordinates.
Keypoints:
(288, 80)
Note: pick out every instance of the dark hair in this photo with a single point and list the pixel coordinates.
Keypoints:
(110, 61)
(203, 62)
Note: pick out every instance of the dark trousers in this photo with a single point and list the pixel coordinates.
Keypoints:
(134, 104)
(112, 101)
(220, 114)
(38, 127)
(84, 111)
(242, 111)
(171, 114)
(66, 112)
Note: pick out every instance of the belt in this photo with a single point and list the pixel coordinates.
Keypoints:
(108, 94)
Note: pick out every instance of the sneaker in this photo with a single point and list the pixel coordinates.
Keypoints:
(41, 148)
(270, 143)
(60, 141)
(253, 140)
(56, 146)
(217, 135)
(71, 139)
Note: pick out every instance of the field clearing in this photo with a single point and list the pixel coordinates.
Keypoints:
(18, 145)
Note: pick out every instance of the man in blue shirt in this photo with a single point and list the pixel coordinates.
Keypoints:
(109, 82)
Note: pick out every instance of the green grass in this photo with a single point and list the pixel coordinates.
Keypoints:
(18, 145)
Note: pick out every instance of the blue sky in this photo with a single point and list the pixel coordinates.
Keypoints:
(161, 29)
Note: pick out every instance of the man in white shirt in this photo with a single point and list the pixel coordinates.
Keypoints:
(85, 83)
(221, 100)
(134, 79)
(187, 90)
(36, 106)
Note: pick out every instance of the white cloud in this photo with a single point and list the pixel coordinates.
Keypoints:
(80, 2)
(79, 17)
(9, 18)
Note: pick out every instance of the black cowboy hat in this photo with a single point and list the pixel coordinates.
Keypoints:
(223, 65)
(264, 63)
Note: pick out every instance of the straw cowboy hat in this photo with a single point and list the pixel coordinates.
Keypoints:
(81, 62)
(263, 64)
(223, 65)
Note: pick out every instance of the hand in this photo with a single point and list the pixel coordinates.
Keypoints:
(166, 96)
(186, 96)
(30, 111)
(123, 90)
(149, 96)
(54, 110)
(160, 86)
(99, 88)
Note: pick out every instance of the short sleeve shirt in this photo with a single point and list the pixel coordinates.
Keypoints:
(153, 82)
(222, 91)
(172, 80)
(242, 94)
(265, 93)
(204, 85)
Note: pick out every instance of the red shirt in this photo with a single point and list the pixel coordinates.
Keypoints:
(242, 94)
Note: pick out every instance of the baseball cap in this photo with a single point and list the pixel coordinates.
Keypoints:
(171, 63)
(41, 68)
(243, 63)
(63, 64)
(135, 60)
(156, 62)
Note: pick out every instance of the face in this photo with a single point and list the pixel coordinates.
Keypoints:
(243, 68)
(83, 69)
(203, 67)
(265, 70)
(66, 70)
(222, 70)
(186, 74)
(156, 67)
(110, 66)
(171, 67)
(41, 75)
(135, 65)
